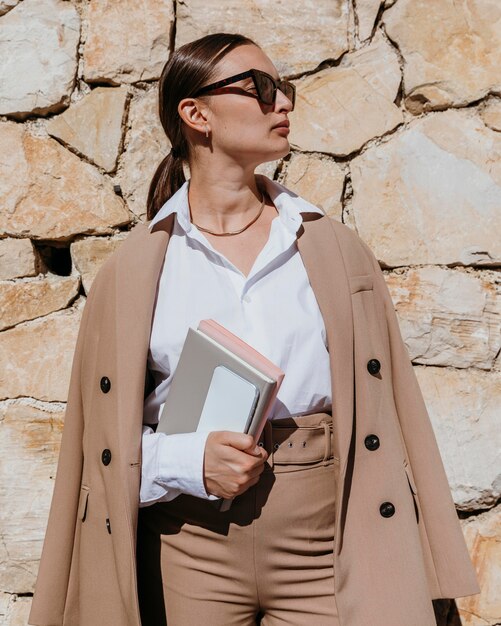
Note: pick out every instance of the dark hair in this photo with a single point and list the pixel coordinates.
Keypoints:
(190, 67)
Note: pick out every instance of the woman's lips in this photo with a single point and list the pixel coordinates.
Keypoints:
(284, 129)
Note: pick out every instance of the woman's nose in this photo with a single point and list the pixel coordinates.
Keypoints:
(282, 102)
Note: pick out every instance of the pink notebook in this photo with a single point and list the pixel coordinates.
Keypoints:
(232, 342)
(240, 348)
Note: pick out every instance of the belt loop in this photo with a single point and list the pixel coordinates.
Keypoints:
(328, 451)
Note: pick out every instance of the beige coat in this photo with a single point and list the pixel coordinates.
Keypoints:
(387, 568)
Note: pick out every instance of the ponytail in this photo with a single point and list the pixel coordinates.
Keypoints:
(189, 68)
(167, 179)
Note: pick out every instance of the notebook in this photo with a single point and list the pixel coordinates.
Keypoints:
(230, 402)
(220, 383)
(200, 356)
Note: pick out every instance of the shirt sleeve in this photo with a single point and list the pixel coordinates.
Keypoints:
(171, 465)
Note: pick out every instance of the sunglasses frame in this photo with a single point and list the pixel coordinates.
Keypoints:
(277, 84)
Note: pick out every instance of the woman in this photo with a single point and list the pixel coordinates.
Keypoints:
(343, 514)
(232, 258)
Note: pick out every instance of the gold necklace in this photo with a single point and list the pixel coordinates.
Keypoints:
(235, 232)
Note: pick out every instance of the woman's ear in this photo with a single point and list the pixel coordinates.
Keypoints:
(194, 113)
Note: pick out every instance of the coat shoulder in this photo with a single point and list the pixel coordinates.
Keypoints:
(355, 249)
(130, 244)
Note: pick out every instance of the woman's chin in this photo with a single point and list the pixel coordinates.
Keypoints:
(277, 151)
(282, 145)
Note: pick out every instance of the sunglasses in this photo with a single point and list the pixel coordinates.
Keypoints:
(266, 86)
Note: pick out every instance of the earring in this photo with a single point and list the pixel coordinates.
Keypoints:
(206, 130)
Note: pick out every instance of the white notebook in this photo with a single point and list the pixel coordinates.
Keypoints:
(230, 402)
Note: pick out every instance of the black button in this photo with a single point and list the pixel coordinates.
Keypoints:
(387, 509)
(105, 384)
(372, 442)
(106, 456)
(374, 366)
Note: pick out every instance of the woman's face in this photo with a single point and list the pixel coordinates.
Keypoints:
(240, 125)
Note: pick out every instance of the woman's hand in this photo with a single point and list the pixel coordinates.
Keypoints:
(232, 463)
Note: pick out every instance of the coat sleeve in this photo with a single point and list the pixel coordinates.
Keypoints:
(440, 524)
(53, 574)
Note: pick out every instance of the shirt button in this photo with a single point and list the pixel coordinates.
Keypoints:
(246, 298)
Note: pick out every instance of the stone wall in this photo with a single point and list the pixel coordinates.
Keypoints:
(397, 133)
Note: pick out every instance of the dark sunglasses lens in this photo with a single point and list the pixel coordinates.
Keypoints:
(265, 88)
(290, 91)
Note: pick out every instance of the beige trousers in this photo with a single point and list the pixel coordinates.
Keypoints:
(268, 560)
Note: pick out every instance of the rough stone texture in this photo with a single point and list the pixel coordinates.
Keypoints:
(464, 410)
(7, 5)
(33, 297)
(93, 126)
(29, 437)
(49, 193)
(90, 253)
(378, 65)
(491, 114)
(339, 109)
(127, 41)
(432, 193)
(483, 537)
(448, 317)
(296, 34)
(4, 606)
(38, 43)
(319, 180)
(424, 193)
(36, 356)
(14, 609)
(366, 11)
(17, 258)
(451, 50)
(145, 147)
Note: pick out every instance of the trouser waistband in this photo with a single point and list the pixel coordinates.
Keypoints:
(298, 440)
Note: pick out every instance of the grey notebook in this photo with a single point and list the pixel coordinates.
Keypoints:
(210, 380)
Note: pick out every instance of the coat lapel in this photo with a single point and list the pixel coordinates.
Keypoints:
(137, 279)
(322, 258)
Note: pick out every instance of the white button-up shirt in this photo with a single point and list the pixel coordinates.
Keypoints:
(273, 309)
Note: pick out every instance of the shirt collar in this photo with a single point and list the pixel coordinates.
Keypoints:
(289, 205)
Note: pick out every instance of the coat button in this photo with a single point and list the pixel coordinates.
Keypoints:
(374, 366)
(387, 509)
(105, 384)
(372, 442)
(106, 456)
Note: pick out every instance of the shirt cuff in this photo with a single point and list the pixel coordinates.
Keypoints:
(177, 463)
